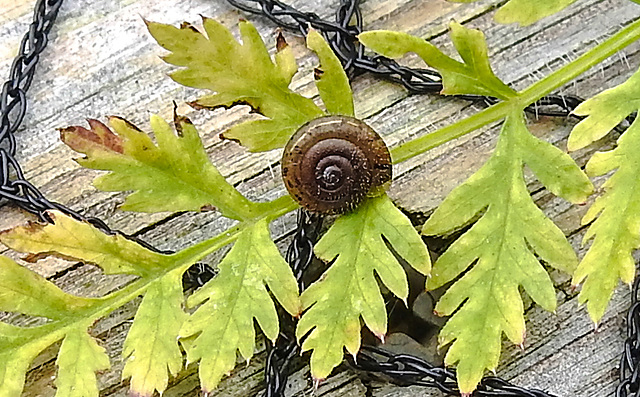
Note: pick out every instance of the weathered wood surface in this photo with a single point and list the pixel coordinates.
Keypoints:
(101, 61)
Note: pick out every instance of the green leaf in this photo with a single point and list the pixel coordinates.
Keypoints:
(23, 291)
(472, 76)
(233, 299)
(331, 80)
(497, 254)
(175, 175)
(239, 74)
(605, 111)
(616, 229)
(151, 348)
(526, 12)
(18, 348)
(616, 221)
(75, 240)
(79, 359)
(349, 290)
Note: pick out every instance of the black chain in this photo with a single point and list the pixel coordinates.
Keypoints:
(286, 348)
(13, 108)
(629, 363)
(342, 37)
(14, 187)
(405, 369)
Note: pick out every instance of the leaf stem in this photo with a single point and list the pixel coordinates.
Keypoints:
(536, 91)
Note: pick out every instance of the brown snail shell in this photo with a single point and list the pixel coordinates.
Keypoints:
(331, 163)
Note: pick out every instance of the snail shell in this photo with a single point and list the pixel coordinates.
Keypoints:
(331, 163)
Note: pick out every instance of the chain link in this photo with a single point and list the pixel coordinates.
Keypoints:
(342, 37)
(299, 256)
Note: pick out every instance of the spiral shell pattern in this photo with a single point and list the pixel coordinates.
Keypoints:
(331, 163)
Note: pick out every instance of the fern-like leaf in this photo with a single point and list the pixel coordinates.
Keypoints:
(151, 348)
(80, 357)
(331, 80)
(175, 175)
(526, 12)
(349, 290)
(70, 239)
(500, 248)
(616, 214)
(239, 74)
(233, 299)
(472, 76)
(25, 292)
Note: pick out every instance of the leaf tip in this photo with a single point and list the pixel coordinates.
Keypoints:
(281, 43)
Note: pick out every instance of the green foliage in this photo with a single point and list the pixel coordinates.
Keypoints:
(503, 251)
(151, 347)
(331, 80)
(615, 214)
(80, 357)
(70, 239)
(175, 175)
(472, 76)
(357, 243)
(526, 12)
(233, 299)
(239, 74)
(500, 248)
(25, 292)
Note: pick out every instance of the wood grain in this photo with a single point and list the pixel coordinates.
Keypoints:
(101, 61)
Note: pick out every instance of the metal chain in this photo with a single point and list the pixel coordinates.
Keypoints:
(405, 369)
(630, 362)
(299, 256)
(13, 108)
(342, 37)
(14, 187)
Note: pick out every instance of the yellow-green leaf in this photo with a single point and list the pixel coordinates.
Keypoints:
(331, 80)
(23, 291)
(497, 255)
(175, 175)
(233, 299)
(349, 290)
(604, 112)
(239, 74)
(79, 359)
(526, 12)
(472, 76)
(616, 224)
(615, 214)
(18, 348)
(68, 238)
(151, 349)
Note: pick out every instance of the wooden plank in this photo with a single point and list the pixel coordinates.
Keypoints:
(101, 61)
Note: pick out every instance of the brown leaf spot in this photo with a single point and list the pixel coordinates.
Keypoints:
(222, 136)
(281, 43)
(99, 135)
(179, 120)
(187, 25)
(240, 102)
(207, 208)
